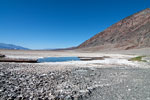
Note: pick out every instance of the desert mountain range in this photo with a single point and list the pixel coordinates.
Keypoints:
(12, 47)
(131, 32)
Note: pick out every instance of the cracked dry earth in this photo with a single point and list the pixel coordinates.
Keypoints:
(88, 83)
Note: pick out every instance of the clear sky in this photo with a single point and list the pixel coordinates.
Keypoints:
(40, 24)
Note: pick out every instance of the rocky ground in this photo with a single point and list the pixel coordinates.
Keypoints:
(88, 83)
(114, 78)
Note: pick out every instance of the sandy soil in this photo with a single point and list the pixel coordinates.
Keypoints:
(36, 53)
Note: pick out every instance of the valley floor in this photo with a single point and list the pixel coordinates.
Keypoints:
(114, 78)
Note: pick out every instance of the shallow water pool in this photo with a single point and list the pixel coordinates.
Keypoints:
(58, 59)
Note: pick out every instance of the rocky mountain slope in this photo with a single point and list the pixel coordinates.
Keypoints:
(11, 46)
(131, 32)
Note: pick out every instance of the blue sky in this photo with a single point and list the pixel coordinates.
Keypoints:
(39, 24)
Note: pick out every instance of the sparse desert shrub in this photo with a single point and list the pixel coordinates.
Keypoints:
(139, 58)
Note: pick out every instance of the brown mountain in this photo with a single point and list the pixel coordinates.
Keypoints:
(131, 32)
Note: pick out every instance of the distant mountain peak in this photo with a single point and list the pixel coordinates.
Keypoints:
(145, 11)
(131, 32)
(11, 46)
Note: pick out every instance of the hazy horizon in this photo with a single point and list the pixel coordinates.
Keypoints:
(42, 24)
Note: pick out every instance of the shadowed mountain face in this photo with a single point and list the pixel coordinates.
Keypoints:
(131, 32)
(11, 46)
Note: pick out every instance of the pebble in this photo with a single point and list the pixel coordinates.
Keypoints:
(74, 84)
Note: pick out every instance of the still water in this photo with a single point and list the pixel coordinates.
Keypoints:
(58, 59)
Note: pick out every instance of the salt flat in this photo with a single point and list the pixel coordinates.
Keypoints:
(113, 78)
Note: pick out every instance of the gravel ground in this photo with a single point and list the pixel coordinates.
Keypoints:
(84, 83)
(114, 78)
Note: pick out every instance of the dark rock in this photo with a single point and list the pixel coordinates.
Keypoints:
(1, 55)
(18, 60)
